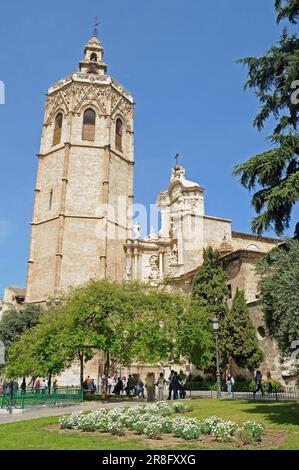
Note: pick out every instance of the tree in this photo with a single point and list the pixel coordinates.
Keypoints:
(14, 323)
(287, 9)
(240, 337)
(126, 321)
(209, 287)
(274, 174)
(38, 351)
(279, 271)
(196, 341)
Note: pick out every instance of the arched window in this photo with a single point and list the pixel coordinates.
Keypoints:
(57, 129)
(93, 57)
(89, 120)
(118, 134)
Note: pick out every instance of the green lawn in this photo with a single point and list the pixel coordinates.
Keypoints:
(35, 435)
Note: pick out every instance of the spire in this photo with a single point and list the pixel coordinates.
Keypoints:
(96, 24)
(178, 171)
(93, 55)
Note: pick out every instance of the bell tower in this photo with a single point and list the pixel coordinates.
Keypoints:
(84, 186)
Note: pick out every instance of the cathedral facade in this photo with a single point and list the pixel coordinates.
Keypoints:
(82, 218)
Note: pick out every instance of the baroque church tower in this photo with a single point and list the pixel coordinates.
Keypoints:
(84, 188)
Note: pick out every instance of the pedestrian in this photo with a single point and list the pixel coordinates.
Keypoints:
(23, 386)
(110, 384)
(161, 384)
(150, 387)
(182, 383)
(258, 383)
(118, 387)
(175, 385)
(55, 386)
(37, 386)
(229, 382)
(170, 389)
(131, 386)
(269, 383)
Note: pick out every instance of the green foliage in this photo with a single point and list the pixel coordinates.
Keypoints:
(279, 271)
(240, 342)
(273, 174)
(209, 284)
(14, 323)
(38, 351)
(195, 336)
(287, 9)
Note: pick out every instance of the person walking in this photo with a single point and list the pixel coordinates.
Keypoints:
(150, 387)
(229, 382)
(161, 384)
(170, 389)
(258, 383)
(269, 383)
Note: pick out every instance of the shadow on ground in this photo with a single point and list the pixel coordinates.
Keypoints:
(278, 413)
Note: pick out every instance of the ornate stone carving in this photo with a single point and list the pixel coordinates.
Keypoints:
(88, 93)
(127, 274)
(136, 231)
(153, 268)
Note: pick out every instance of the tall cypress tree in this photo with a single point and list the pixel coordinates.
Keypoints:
(240, 342)
(209, 284)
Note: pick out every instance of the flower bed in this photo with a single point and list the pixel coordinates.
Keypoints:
(155, 420)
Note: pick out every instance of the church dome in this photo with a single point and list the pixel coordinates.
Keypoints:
(225, 247)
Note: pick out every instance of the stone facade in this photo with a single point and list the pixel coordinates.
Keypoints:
(13, 297)
(81, 225)
(84, 186)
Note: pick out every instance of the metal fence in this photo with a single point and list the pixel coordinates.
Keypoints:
(287, 394)
(30, 397)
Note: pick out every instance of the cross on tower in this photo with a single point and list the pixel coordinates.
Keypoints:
(96, 24)
(177, 156)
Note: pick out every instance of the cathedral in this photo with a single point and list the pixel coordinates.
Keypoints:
(82, 219)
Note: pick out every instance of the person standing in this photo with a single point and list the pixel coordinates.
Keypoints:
(150, 387)
(170, 389)
(229, 382)
(37, 386)
(258, 383)
(269, 383)
(161, 384)
(175, 385)
(182, 382)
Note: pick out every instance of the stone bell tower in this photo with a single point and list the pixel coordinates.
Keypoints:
(84, 186)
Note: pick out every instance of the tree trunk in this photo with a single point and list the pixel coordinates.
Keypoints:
(81, 358)
(106, 372)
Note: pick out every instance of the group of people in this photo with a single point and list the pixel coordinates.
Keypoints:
(258, 383)
(177, 383)
(38, 386)
(89, 385)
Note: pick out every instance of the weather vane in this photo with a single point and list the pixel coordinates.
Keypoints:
(96, 24)
(177, 156)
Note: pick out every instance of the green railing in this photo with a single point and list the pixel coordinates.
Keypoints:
(31, 397)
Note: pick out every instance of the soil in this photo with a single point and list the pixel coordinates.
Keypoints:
(270, 440)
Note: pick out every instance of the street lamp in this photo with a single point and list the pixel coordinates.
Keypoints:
(216, 328)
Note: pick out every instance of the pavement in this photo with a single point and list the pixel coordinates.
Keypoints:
(46, 411)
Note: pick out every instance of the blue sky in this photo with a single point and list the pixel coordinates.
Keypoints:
(176, 57)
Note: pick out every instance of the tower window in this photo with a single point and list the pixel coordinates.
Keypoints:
(57, 129)
(118, 134)
(93, 57)
(51, 199)
(89, 120)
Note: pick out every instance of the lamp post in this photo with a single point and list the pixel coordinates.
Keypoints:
(216, 328)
